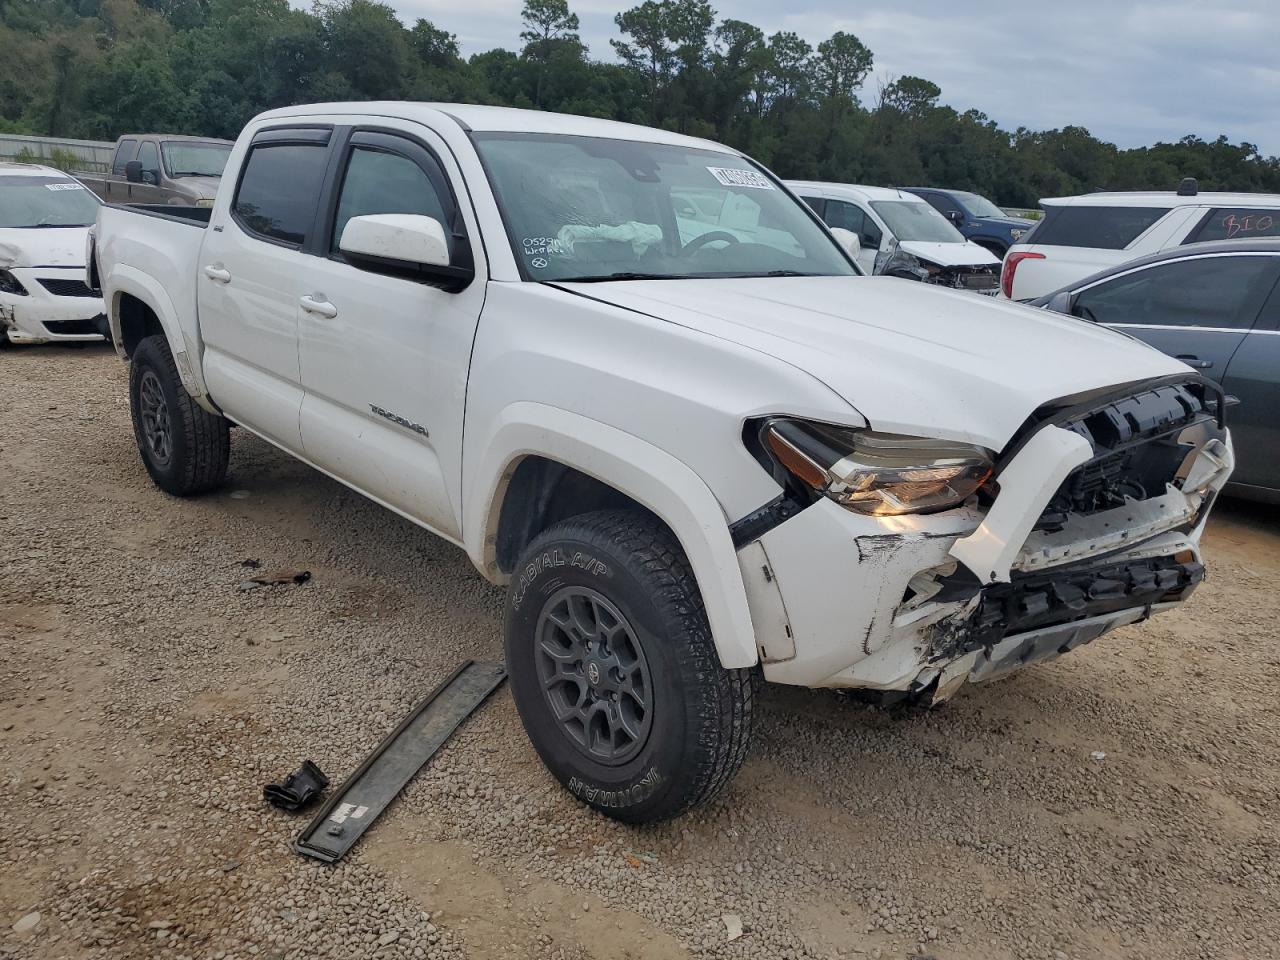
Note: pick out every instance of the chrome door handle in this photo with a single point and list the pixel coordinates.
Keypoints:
(1195, 363)
(316, 303)
(217, 273)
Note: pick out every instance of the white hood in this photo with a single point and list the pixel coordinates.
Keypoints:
(967, 254)
(39, 247)
(911, 357)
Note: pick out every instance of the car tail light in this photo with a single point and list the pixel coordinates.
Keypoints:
(1011, 261)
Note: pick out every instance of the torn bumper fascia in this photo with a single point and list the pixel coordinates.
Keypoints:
(858, 593)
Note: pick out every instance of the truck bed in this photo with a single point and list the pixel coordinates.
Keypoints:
(153, 252)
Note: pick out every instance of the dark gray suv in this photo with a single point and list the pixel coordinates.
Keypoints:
(1216, 307)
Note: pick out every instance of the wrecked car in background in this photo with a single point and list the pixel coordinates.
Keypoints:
(644, 387)
(45, 216)
(901, 235)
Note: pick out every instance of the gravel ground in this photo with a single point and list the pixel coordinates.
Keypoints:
(145, 698)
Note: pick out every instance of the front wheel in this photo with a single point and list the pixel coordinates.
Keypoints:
(184, 447)
(614, 671)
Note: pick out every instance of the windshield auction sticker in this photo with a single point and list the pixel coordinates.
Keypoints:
(63, 186)
(733, 177)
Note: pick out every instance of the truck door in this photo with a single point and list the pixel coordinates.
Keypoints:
(384, 359)
(250, 264)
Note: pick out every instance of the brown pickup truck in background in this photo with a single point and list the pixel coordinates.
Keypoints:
(160, 168)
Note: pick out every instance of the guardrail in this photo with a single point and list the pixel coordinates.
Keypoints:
(61, 152)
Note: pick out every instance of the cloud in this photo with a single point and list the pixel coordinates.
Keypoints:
(1132, 73)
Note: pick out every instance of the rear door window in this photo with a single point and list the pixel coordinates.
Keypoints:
(1218, 292)
(1236, 223)
(277, 196)
(1103, 228)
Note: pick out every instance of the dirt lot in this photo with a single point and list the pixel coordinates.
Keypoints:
(145, 698)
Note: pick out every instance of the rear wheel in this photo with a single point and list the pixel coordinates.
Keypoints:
(614, 671)
(184, 447)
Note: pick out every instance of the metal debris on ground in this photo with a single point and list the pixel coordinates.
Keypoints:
(273, 578)
(353, 807)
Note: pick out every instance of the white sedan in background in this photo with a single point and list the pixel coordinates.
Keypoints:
(45, 217)
(900, 235)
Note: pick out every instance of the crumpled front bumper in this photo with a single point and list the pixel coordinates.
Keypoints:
(42, 317)
(916, 603)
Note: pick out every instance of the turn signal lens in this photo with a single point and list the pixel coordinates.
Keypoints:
(882, 474)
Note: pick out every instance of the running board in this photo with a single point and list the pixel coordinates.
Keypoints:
(353, 807)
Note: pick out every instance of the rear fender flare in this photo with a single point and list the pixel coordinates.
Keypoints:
(650, 476)
(126, 279)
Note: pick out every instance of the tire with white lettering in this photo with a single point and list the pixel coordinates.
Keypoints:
(184, 447)
(614, 671)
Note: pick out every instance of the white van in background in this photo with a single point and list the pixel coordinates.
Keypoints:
(902, 235)
(1082, 235)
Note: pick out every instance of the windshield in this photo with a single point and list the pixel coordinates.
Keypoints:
(594, 208)
(188, 159)
(979, 206)
(916, 220)
(27, 201)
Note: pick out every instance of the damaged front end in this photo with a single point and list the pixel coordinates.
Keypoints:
(1114, 541)
(1090, 520)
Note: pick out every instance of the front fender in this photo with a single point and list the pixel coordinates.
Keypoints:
(126, 279)
(648, 475)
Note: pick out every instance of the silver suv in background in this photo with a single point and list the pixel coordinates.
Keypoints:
(1082, 235)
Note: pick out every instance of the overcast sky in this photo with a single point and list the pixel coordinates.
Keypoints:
(1131, 72)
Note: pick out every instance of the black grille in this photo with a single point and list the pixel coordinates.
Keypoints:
(68, 328)
(66, 288)
(1036, 600)
(1138, 449)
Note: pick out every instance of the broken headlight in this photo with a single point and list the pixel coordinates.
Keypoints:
(10, 284)
(883, 474)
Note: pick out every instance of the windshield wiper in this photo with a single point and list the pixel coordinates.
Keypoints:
(784, 273)
(624, 275)
(55, 226)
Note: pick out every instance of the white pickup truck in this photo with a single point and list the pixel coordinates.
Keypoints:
(641, 384)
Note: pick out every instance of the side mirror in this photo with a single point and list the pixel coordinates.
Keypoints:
(955, 216)
(133, 171)
(847, 239)
(406, 245)
(1060, 302)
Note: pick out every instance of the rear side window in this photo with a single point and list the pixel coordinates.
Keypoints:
(1236, 223)
(1104, 228)
(1222, 292)
(279, 190)
(126, 151)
